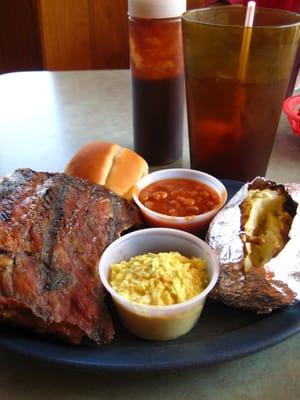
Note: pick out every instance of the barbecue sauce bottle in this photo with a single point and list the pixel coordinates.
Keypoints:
(157, 77)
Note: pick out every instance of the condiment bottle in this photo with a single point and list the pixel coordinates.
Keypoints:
(156, 63)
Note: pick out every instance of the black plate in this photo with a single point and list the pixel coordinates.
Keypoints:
(221, 334)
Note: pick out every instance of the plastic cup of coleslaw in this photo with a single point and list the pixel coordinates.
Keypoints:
(158, 322)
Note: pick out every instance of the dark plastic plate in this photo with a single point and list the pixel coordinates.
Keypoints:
(222, 334)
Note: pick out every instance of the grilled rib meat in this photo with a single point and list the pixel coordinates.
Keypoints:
(53, 230)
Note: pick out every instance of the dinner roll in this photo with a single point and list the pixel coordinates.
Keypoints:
(108, 164)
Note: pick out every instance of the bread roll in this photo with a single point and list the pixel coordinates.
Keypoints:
(108, 164)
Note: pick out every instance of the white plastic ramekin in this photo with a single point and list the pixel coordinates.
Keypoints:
(158, 322)
(195, 223)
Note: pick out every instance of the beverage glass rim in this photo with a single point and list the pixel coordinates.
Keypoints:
(187, 17)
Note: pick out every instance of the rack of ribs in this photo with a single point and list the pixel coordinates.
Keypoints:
(53, 230)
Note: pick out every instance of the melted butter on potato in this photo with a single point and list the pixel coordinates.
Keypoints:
(159, 279)
(265, 224)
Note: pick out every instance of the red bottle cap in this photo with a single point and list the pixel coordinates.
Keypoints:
(291, 107)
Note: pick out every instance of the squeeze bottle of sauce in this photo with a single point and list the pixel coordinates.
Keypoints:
(157, 76)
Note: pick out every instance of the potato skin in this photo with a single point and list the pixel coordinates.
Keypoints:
(261, 289)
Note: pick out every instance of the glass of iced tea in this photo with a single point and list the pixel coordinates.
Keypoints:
(235, 91)
(291, 5)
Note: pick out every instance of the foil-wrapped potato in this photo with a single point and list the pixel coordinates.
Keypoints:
(257, 239)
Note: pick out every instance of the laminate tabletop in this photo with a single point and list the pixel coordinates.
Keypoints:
(44, 119)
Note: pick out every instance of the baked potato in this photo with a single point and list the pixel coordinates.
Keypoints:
(257, 239)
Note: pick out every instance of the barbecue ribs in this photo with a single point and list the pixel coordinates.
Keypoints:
(53, 230)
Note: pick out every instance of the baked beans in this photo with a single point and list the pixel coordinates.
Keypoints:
(179, 197)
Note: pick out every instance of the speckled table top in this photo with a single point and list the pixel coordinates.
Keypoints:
(44, 118)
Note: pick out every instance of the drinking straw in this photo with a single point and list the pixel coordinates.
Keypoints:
(246, 40)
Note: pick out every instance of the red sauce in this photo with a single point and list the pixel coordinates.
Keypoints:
(150, 98)
(156, 63)
(179, 197)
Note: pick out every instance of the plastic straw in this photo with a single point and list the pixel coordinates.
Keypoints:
(246, 40)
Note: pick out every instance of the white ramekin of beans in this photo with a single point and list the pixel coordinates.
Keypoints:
(179, 198)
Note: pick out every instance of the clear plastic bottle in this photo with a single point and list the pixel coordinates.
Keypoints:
(156, 62)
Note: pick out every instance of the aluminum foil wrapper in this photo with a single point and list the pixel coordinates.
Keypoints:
(261, 289)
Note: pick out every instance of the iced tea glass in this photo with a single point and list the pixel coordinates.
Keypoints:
(233, 116)
(290, 5)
